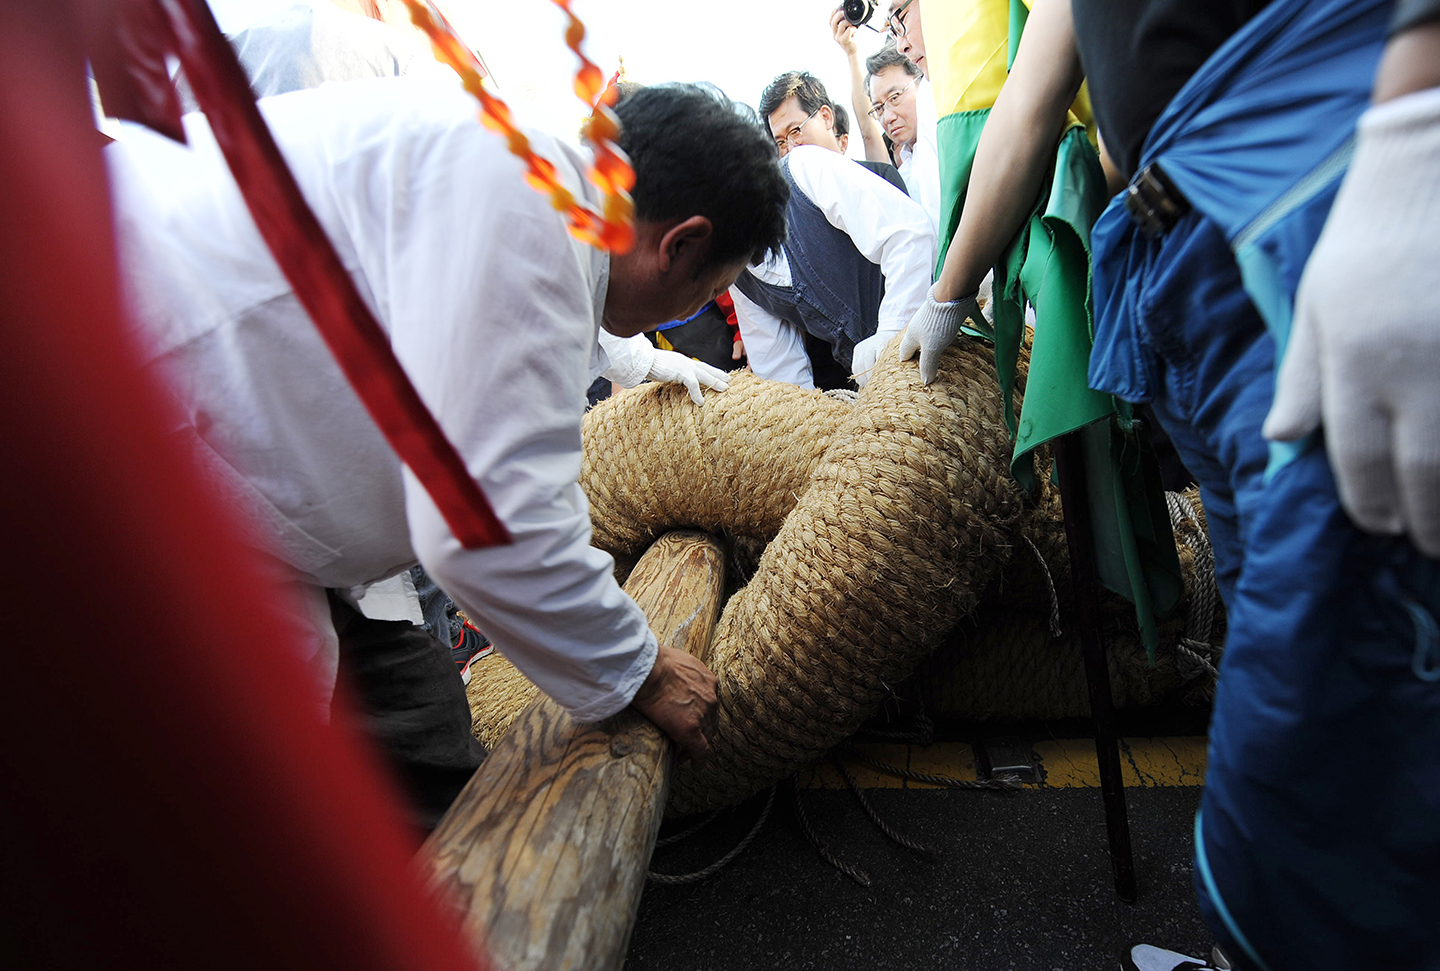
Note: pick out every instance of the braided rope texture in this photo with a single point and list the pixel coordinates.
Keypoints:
(884, 520)
(884, 530)
(738, 465)
(1004, 662)
(905, 520)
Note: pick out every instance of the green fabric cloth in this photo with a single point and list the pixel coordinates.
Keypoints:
(1048, 266)
(956, 136)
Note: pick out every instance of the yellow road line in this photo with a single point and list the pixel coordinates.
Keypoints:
(1064, 763)
(1143, 762)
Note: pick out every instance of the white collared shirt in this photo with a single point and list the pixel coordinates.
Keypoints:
(919, 164)
(886, 227)
(490, 305)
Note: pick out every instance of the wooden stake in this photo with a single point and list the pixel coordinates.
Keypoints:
(544, 853)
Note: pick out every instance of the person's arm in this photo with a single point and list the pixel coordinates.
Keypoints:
(1013, 156)
(633, 360)
(492, 310)
(872, 136)
(1016, 148)
(1115, 180)
(1375, 385)
(1411, 63)
(774, 348)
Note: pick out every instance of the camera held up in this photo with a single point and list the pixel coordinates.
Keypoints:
(858, 12)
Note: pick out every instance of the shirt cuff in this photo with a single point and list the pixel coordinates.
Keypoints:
(616, 699)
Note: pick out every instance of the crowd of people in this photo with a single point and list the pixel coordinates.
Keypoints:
(1293, 357)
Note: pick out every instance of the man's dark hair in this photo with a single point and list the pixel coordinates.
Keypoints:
(624, 89)
(842, 120)
(888, 56)
(697, 153)
(804, 86)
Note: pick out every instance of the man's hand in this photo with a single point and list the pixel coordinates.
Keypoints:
(844, 32)
(679, 697)
(1364, 352)
(670, 366)
(934, 328)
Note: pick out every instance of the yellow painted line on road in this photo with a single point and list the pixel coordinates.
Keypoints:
(1064, 763)
(1143, 762)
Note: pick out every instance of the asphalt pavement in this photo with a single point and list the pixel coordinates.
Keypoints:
(1016, 880)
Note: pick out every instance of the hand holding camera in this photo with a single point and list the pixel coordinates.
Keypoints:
(858, 12)
(844, 31)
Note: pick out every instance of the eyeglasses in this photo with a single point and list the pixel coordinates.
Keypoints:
(891, 100)
(788, 137)
(894, 24)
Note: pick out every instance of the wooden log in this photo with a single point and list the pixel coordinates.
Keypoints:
(544, 853)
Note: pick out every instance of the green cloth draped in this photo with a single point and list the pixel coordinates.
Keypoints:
(1048, 266)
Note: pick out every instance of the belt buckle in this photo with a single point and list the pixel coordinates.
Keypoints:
(1153, 202)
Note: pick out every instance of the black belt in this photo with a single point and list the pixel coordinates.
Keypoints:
(1153, 201)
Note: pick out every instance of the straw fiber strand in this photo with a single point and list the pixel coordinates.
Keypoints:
(1004, 663)
(905, 521)
(497, 693)
(654, 462)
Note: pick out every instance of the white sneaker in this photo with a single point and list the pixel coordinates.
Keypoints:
(1147, 957)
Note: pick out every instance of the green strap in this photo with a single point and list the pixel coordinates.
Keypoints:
(956, 136)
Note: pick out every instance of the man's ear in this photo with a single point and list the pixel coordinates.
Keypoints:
(685, 246)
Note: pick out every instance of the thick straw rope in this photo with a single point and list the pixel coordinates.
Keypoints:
(906, 519)
(1006, 662)
(738, 465)
(888, 517)
(893, 528)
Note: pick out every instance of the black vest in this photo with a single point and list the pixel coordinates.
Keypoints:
(834, 292)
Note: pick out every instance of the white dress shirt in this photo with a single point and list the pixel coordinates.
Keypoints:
(919, 164)
(886, 227)
(490, 305)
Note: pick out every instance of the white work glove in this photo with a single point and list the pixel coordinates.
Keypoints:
(867, 353)
(1364, 352)
(635, 359)
(934, 328)
(670, 367)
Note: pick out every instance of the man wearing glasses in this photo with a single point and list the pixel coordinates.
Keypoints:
(857, 254)
(902, 104)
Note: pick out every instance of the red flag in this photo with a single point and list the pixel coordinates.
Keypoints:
(147, 30)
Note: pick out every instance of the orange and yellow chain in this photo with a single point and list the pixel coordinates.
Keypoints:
(612, 228)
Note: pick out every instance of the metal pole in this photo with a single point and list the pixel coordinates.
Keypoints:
(1074, 497)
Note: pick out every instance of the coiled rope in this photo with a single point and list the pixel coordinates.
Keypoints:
(888, 527)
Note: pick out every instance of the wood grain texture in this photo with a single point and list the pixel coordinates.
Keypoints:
(544, 853)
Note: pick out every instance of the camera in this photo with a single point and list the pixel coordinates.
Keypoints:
(858, 12)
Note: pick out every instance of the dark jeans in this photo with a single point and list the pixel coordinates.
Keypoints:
(413, 705)
(1318, 841)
